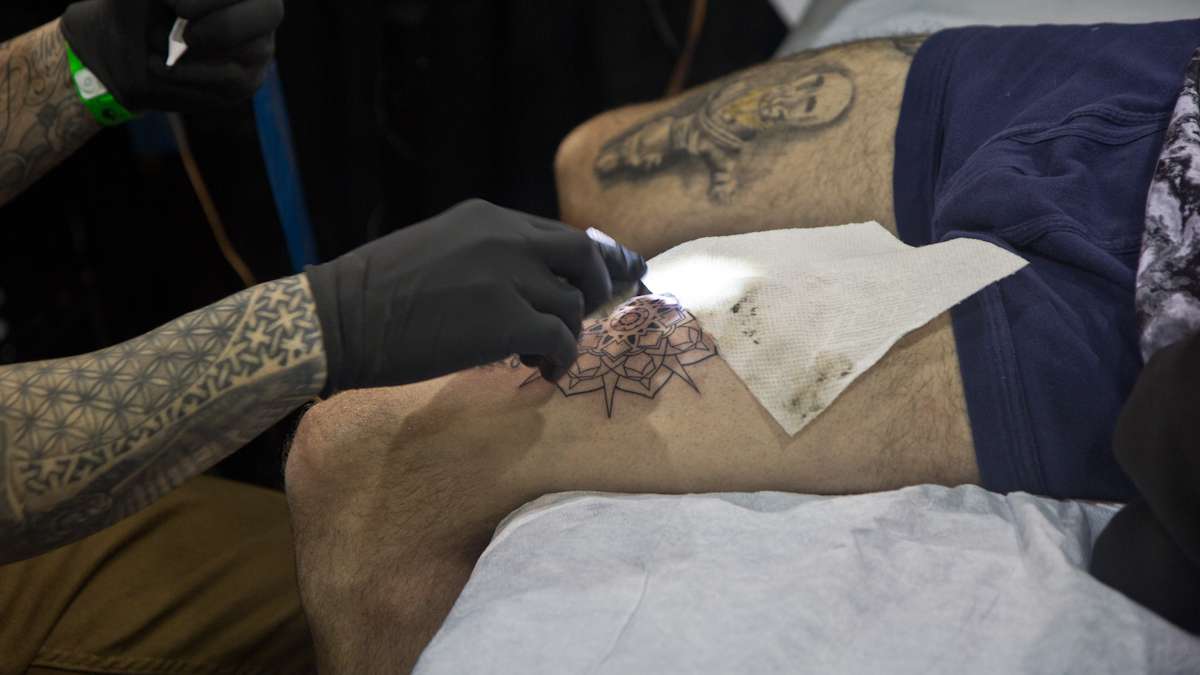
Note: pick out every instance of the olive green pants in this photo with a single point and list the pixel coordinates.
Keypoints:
(201, 582)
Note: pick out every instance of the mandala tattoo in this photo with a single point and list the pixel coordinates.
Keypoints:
(717, 124)
(85, 441)
(643, 345)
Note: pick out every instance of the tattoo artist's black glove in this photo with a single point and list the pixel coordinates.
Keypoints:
(124, 42)
(466, 288)
(1151, 549)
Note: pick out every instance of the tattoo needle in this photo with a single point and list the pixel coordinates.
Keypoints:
(176, 46)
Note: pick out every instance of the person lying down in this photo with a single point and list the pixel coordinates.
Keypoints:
(395, 492)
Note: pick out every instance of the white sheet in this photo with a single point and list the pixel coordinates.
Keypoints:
(828, 22)
(923, 580)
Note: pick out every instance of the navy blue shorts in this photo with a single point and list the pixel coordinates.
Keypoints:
(1042, 140)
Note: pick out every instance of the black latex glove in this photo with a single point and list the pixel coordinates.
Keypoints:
(1157, 440)
(124, 42)
(1151, 549)
(466, 288)
(1137, 556)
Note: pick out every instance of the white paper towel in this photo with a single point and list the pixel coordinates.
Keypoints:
(799, 314)
(923, 580)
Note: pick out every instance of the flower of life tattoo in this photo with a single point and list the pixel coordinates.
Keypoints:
(643, 345)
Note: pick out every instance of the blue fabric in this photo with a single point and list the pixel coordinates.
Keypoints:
(1042, 140)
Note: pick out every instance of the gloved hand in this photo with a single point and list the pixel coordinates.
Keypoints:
(124, 43)
(463, 289)
(1150, 551)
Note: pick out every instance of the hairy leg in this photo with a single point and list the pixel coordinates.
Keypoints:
(803, 141)
(395, 492)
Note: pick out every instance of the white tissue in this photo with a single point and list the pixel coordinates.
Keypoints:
(800, 314)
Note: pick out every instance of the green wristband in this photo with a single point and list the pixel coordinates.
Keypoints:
(95, 96)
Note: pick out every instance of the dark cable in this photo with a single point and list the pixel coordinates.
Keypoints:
(684, 65)
(206, 202)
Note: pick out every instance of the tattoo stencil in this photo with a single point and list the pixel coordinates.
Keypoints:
(645, 344)
(717, 124)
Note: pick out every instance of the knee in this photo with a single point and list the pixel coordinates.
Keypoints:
(332, 440)
(305, 459)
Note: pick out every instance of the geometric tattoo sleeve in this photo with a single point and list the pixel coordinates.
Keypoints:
(88, 440)
(645, 344)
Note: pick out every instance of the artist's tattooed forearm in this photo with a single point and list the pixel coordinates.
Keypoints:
(774, 103)
(648, 342)
(42, 120)
(88, 440)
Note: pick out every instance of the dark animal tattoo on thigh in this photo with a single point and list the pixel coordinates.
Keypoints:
(646, 343)
(715, 125)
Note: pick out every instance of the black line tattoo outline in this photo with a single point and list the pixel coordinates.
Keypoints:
(644, 344)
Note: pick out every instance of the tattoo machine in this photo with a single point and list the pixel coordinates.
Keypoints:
(176, 46)
(621, 294)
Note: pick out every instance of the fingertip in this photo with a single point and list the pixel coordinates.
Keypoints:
(551, 372)
(567, 352)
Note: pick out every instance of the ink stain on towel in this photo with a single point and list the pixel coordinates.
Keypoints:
(746, 304)
(747, 311)
(812, 396)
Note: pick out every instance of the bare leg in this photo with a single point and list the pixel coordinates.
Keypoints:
(394, 493)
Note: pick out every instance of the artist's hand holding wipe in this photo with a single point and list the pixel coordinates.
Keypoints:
(469, 287)
(124, 43)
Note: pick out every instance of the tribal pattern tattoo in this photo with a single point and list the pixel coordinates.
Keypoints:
(88, 440)
(714, 125)
(42, 120)
(645, 344)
